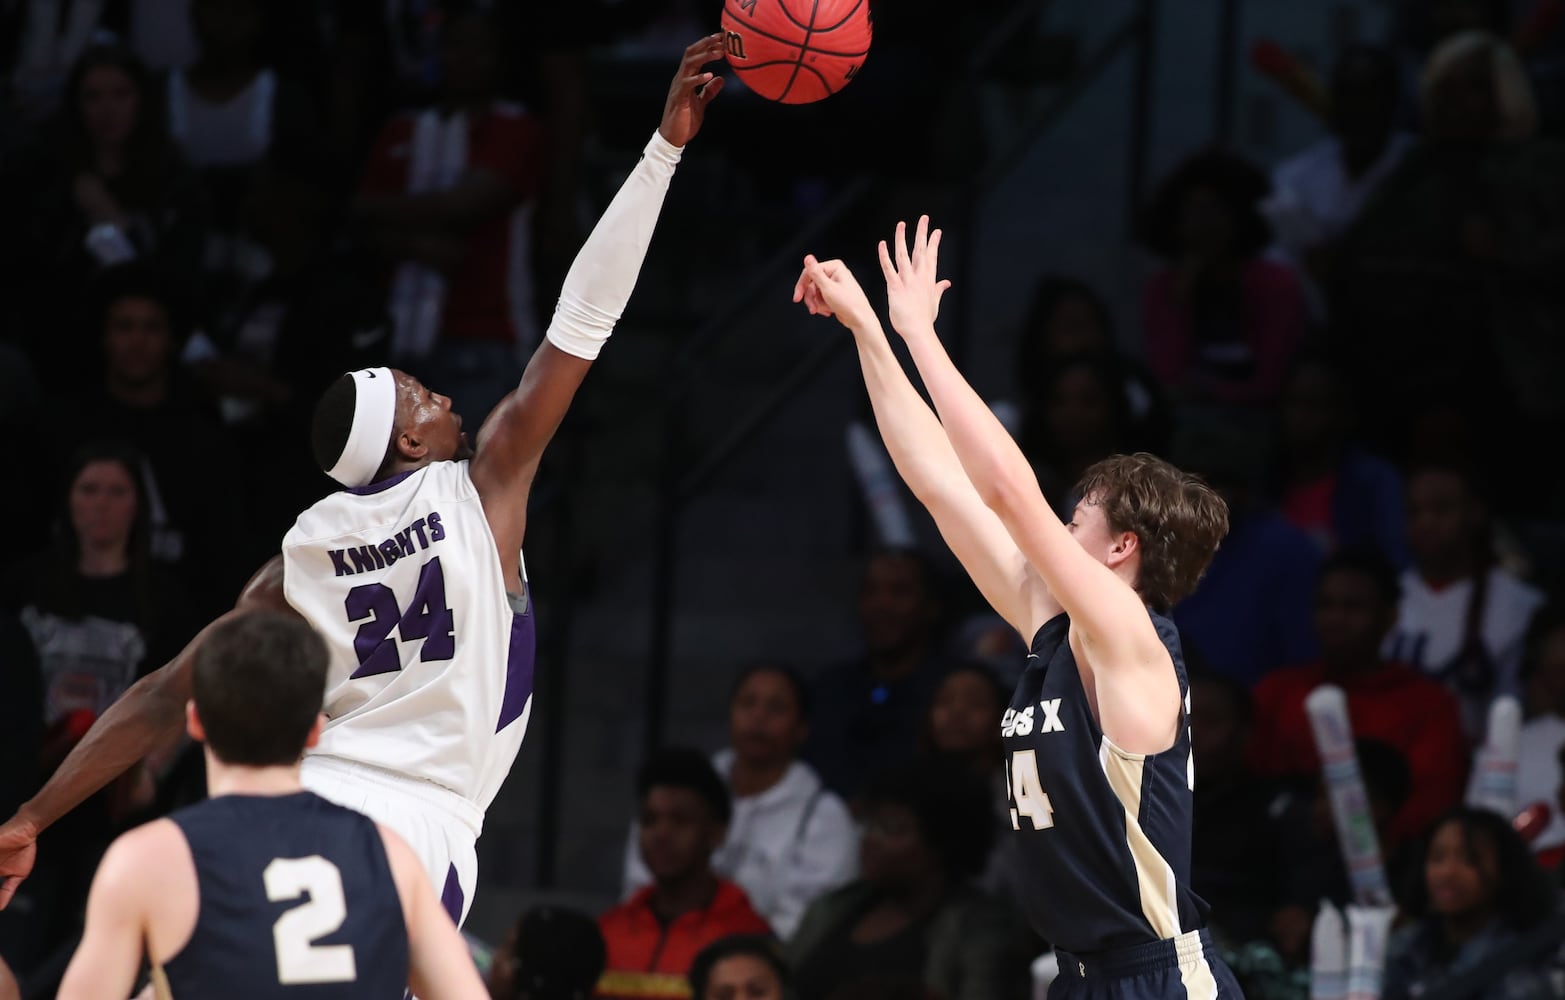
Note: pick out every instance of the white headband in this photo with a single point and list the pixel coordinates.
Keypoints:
(374, 416)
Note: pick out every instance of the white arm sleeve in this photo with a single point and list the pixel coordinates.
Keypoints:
(601, 278)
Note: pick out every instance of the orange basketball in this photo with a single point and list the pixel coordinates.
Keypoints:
(796, 51)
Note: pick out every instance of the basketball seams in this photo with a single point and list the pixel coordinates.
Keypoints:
(762, 32)
(804, 43)
(783, 57)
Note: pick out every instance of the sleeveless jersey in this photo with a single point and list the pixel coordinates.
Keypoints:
(431, 665)
(296, 900)
(1104, 834)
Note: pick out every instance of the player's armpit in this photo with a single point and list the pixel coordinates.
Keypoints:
(109, 955)
(513, 438)
(439, 964)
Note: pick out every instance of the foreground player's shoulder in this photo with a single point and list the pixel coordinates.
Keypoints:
(152, 857)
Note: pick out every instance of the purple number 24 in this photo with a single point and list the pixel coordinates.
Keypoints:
(427, 618)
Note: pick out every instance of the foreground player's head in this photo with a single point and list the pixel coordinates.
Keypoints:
(685, 808)
(1141, 515)
(258, 682)
(375, 422)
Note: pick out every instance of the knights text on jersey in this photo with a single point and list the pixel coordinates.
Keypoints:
(296, 900)
(1105, 834)
(431, 665)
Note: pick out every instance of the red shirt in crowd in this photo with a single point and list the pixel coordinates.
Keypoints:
(648, 958)
(1396, 705)
(490, 297)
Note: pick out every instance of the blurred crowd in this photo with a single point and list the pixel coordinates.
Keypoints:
(216, 206)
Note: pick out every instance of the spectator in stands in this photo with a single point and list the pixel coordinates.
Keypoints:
(1443, 291)
(1462, 617)
(789, 839)
(1078, 414)
(100, 608)
(927, 831)
(1324, 484)
(1234, 864)
(1317, 193)
(1310, 851)
(21, 713)
(1220, 321)
(100, 611)
(1538, 774)
(1481, 896)
(868, 713)
(226, 110)
(1250, 612)
(120, 189)
(964, 725)
(228, 107)
(652, 938)
(1355, 608)
(447, 200)
(550, 954)
(743, 967)
(1067, 318)
(144, 400)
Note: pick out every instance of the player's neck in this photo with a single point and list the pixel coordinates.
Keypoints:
(234, 779)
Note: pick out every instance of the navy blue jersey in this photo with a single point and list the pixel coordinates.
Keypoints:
(1105, 835)
(297, 901)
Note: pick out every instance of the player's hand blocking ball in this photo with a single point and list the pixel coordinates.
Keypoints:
(796, 51)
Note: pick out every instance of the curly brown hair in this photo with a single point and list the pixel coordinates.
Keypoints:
(1176, 517)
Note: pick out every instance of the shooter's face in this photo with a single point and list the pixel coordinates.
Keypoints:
(425, 419)
(678, 832)
(1459, 874)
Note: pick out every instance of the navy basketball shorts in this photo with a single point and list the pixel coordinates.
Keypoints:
(1183, 968)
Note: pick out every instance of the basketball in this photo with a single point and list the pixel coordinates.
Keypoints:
(796, 51)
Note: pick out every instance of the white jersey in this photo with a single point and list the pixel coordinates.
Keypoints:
(431, 660)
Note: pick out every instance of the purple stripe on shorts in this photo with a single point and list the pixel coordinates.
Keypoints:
(518, 667)
(451, 896)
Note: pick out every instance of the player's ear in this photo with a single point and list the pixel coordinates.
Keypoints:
(410, 446)
(193, 722)
(1126, 545)
(314, 736)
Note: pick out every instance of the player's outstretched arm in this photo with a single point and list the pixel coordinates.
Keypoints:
(1108, 614)
(596, 289)
(924, 457)
(149, 713)
(439, 964)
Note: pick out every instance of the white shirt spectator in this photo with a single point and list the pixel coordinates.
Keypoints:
(785, 847)
(1432, 625)
(1538, 776)
(1314, 201)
